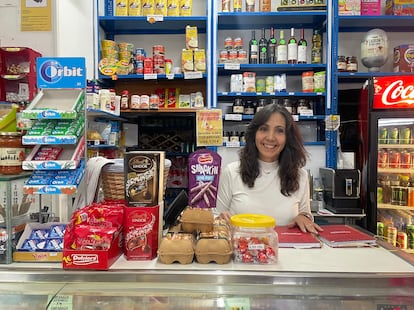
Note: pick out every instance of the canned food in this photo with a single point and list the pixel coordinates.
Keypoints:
(238, 43)
(228, 43)
(223, 56)
(158, 50)
(392, 235)
(402, 240)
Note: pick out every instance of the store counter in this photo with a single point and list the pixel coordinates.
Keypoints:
(335, 278)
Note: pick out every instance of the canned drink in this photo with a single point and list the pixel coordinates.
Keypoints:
(405, 159)
(405, 135)
(403, 198)
(394, 159)
(383, 136)
(382, 159)
(402, 240)
(380, 229)
(410, 202)
(392, 235)
(410, 236)
(395, 195)
(379, 195)
(394, 136)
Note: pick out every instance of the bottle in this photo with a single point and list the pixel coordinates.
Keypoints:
(249, 108)
(302, 48)
(318, 192)
(282, 49)
(253, 49)
(263, 48)
(237, 5)
(316, 52)
(292, 48)
(125, 100)
(271, 47)
(250, 5)
(238, 106)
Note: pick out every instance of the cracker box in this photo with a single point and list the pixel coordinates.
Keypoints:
(144, 177)
(399, 7)
(141, 232)
(191, 37)
(370, 7)
(349, 7)
(404, 58)
(187, 60)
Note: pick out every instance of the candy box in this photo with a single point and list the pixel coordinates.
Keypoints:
(370, 7)
(404, 58)
(349, 7)
(399, 7)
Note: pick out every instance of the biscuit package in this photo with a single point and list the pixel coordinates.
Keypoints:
(203, 178)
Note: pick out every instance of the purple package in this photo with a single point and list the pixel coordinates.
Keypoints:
(203, 178)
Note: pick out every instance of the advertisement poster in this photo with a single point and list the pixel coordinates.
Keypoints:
(209, 128)
(36, 15)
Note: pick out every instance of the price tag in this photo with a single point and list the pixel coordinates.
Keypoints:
(233, 117)
(232, 66)
(259, 93)
(155, 18)
(295, 117)
(60, 302)
(242, 303)
(193, 75)
(152, 76)
(307, 112)
(232, 144)
(170, 76)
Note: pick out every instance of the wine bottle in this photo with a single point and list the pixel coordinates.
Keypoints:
(263, 48)
(302, 48)
(292, 48)
(253, 49)
(282, 49)
(316, 52)
(271, 47)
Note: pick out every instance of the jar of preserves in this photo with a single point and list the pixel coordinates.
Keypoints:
(351, 64)
(12, 153)
(254, 239)
(341, 64)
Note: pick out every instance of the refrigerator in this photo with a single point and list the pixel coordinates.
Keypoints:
(386, 156)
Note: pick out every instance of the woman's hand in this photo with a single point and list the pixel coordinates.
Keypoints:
(226, 216)
(305, 224)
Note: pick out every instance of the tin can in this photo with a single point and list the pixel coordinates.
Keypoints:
(379, 195)
(402, 240)
(233, 55)
(394, 136)
(223, 56)
(392, 235)
(158, 50)
(405, 159)
(403, 199)
(168, 65)
(228, 43)
(410, 236)
(405, 135)
(242, 56)
(395, 195)
(410, 201)
(394, 159)
(383, 135)
(382, 159)
(380, 229)
(238, 43)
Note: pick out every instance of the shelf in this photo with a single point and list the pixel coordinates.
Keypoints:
(353, 77)
(274, 94)
(395, 146)
(182, 76)
(241, 117)
(227, 69)
(389, 23)
(395, 170)
(139, 25)
(257, 20)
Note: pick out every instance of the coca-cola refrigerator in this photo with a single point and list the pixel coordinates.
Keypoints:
(386, 157)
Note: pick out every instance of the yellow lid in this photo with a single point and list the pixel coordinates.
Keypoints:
(252, 220)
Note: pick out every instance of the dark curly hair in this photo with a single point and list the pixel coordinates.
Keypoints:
(291, 159)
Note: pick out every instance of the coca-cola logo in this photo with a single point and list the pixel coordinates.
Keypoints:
(396, 92)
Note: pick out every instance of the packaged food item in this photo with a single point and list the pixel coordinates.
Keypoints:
(173, 7)
(319, 81)
(176, 247)
(148, 7)
(12, 153)
(249, 82)
(200, 60)
(191, 37)
(194, 220)
(280, 82)
(134, 8)
(186, 7)
(187, 61)
(307, 81)
(121, 8)
(160, 7)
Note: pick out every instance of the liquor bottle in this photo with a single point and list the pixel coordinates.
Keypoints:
(292, 48)
(302, 48)
(316, 51)
(271, 47)
(282, 49)
(253, 49)
(263, 48)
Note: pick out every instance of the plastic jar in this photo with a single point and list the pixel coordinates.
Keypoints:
(12, 153)
(254, 239)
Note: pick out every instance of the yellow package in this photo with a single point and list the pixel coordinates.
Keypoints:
(134, 8)
(173, 7)
(121, 8)
(160, 7)
(187, 62)
(200, 60)
(191, 37)
(186, 7)
(148, 7)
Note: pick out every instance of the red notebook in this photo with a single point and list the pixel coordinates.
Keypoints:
(345, 236)
(295, 238)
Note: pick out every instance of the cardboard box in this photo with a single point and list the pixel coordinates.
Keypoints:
(370, 7)
(399, 7)
(35, 256)
(404, 58)
(142, 233)
(94, 259)
(349, 7)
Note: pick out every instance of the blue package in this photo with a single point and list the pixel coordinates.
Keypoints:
(57, 231)
(39, 234)
(55, 244)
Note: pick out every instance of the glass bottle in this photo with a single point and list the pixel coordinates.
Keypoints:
(249, 108)
(253, 49)
(238, 106)
(237, 5)
(263, 48)
(250, 5)
(302, 48)
(271, 47)
(292, 48)
(316, 52)
(282, 49)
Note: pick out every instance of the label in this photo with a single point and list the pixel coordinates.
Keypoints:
(11, 156)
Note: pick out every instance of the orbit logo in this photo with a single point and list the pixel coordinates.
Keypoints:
(52, 71)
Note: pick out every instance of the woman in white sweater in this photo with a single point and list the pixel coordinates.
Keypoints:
(270, 177)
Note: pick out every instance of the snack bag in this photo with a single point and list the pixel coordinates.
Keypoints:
(203, 178)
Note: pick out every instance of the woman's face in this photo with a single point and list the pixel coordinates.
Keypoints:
(271, 138)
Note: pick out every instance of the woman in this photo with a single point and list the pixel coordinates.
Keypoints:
(270, 177)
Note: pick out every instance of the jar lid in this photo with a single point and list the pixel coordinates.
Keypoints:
(11, 133)
(252, 220)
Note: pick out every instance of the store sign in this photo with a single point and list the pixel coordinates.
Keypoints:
(61, 72)
(396, 92)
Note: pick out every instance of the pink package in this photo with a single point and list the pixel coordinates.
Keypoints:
(370, 7)
(203, 178)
